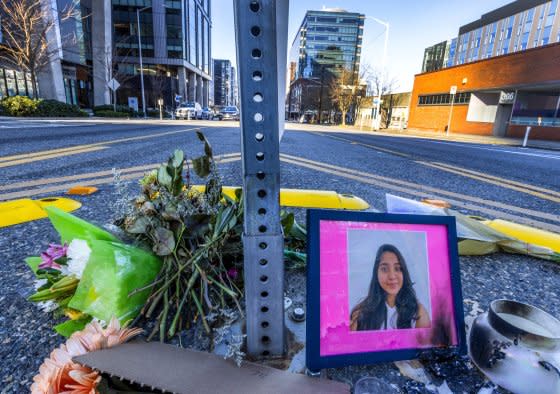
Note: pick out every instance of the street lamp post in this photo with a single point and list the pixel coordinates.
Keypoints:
(138, 11)
(377, 119)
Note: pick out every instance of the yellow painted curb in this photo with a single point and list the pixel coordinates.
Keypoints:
(304, 198)
(26, 209)
(527, 234)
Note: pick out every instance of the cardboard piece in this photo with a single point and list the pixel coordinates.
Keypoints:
(172, 369)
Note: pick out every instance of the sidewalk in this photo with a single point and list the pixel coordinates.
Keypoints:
(435, 135)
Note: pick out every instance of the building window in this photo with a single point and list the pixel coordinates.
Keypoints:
(444, 99)
(529, 106)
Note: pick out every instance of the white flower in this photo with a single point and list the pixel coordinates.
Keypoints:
(102, 323)
(78, 256)
(39, 283)
(47, 306)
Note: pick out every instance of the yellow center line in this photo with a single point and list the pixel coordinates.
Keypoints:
(84, 176)
(51, 156)
(492, 182)
(492, 177)
(536, 191)
(97, 181)
(413, 188)
(47, 154)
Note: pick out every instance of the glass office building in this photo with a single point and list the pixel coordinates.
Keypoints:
(100, 41)
(224, 81)
(176, 55)
(329, 39)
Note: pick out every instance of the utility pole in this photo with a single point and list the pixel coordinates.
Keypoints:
(138, 11)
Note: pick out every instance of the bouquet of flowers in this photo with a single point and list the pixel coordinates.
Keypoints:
(90, 274)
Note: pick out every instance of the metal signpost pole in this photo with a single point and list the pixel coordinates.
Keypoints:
(259, 27)
(452, 92)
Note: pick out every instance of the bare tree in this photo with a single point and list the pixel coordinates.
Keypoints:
(116, 58)
(342, 91)
(25, 26)
(373, 78)
(347, 92)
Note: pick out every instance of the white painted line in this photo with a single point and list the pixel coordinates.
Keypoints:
(470, 146)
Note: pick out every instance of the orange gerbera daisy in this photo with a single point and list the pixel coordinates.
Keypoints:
(60, 375)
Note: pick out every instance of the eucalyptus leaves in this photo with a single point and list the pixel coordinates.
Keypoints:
(198, 237)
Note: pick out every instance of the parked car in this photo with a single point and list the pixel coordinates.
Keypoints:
(229, 112)
(189, 110)
(217, 113)
(207, 113)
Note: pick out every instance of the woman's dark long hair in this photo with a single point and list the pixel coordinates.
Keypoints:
(372, 311)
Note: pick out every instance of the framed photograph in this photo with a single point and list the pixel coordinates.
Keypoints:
(381, 287)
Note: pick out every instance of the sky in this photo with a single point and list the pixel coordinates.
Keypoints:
(414, 25)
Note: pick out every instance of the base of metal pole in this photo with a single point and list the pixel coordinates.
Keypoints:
(527, 131)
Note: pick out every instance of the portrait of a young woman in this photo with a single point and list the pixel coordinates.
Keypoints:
(391, 301)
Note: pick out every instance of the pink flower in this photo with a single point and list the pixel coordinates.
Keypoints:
(57, 251)
(232, 273)
(59, 374)
(53, 253)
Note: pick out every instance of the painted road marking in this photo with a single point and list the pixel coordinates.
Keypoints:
(512, 182)
(409, 188)
(506, 184)
(52, 156)
(536, 191)
(418, 190)
(92, 179)
(97, 174)
(13, 160)
(543, 155)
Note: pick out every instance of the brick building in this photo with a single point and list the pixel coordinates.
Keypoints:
(497, 96)
(504, 92)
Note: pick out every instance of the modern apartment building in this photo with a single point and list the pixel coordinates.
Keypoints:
(436, 57)
(223, 82)
(102, 40)
(327, 42)
(504, 76)
(176, 56)
(521, 25)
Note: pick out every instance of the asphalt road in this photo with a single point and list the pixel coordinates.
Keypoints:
(40, 159)
(488, 180)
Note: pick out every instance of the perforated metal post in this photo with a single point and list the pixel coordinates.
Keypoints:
(258, 67)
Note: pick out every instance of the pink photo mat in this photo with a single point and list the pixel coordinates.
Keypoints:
(336, 337)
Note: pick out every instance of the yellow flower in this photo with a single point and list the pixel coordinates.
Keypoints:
(73, 314)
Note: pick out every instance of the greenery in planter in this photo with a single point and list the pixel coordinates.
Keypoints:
(58, 109)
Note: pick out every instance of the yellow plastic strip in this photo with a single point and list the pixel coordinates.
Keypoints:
(26, 210)
(305, 198)
(527, 234)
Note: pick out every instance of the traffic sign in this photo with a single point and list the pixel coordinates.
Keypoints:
(113, 84)
(453, 89)
(178, 98)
